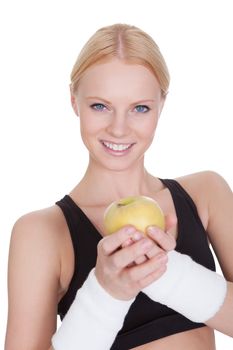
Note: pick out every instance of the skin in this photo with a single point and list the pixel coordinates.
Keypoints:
(41, 241)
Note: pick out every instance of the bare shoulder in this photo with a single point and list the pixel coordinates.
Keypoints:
(214, 200)
(205, 179)
(44, 226)
(39, 232)
(205, 185)
(44, 235)
(37, 249)
(204, 188)
(198, 186)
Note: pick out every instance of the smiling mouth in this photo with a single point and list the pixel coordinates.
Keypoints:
(117, 147)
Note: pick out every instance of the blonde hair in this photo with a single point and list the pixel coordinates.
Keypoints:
(127, 43)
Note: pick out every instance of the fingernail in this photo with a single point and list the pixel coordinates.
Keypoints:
(152, 229)
(129, 230)
(146, 243)
(136, 236)
(127, 243)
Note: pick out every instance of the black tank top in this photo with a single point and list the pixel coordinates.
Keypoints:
(146, 320)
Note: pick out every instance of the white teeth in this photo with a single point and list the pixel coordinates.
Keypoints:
(116, 147)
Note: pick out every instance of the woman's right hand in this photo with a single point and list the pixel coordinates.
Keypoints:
(115, 268)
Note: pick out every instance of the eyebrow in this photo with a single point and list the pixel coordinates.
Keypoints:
(108, 102)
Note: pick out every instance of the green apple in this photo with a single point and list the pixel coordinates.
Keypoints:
(139, 211)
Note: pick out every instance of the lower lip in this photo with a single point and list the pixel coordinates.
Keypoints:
(117, 153)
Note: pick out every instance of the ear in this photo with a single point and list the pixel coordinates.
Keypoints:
(74, 101)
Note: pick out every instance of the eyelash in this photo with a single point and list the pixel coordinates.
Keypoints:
(94, 105)
(143, 106)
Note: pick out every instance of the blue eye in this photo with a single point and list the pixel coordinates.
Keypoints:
(98, 106)
(142, 109)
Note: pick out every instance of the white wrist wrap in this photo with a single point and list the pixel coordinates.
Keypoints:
(93, 320)
(189, 288)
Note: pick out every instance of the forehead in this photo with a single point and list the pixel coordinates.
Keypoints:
(116, 77)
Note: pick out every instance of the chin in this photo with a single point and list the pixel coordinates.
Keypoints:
(122, 165)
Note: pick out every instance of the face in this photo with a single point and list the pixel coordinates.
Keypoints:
(119, 105)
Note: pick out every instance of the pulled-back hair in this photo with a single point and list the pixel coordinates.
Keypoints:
(127, 43)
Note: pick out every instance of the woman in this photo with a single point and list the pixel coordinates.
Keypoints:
(118, 88)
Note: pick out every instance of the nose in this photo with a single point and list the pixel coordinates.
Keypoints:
(118, 125)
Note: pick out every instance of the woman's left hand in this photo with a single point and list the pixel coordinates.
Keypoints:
(163, 241)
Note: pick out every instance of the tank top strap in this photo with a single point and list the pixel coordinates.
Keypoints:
(84, 238)
(71, 217)
(179, 196)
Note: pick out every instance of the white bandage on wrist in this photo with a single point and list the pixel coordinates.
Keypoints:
(189, 288)
(93, 320)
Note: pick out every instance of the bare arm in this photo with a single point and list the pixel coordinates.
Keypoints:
(33, 283)
(220, 231)
(214, 201)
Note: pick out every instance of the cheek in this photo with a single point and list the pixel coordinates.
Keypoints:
(147, 130)
(91, 128)
(87, 130)
(88, 124)
(87, 133)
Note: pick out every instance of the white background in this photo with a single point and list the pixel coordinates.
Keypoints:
(42, 157)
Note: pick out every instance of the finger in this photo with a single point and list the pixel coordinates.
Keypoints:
(140, 272)
(152, 277)
(164, 240)
(136, 236)
(141, 259)
(111, 243)
(127, 243)
(126, 256)
(154, 251)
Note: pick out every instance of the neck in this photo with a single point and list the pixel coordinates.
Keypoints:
(111, 185)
